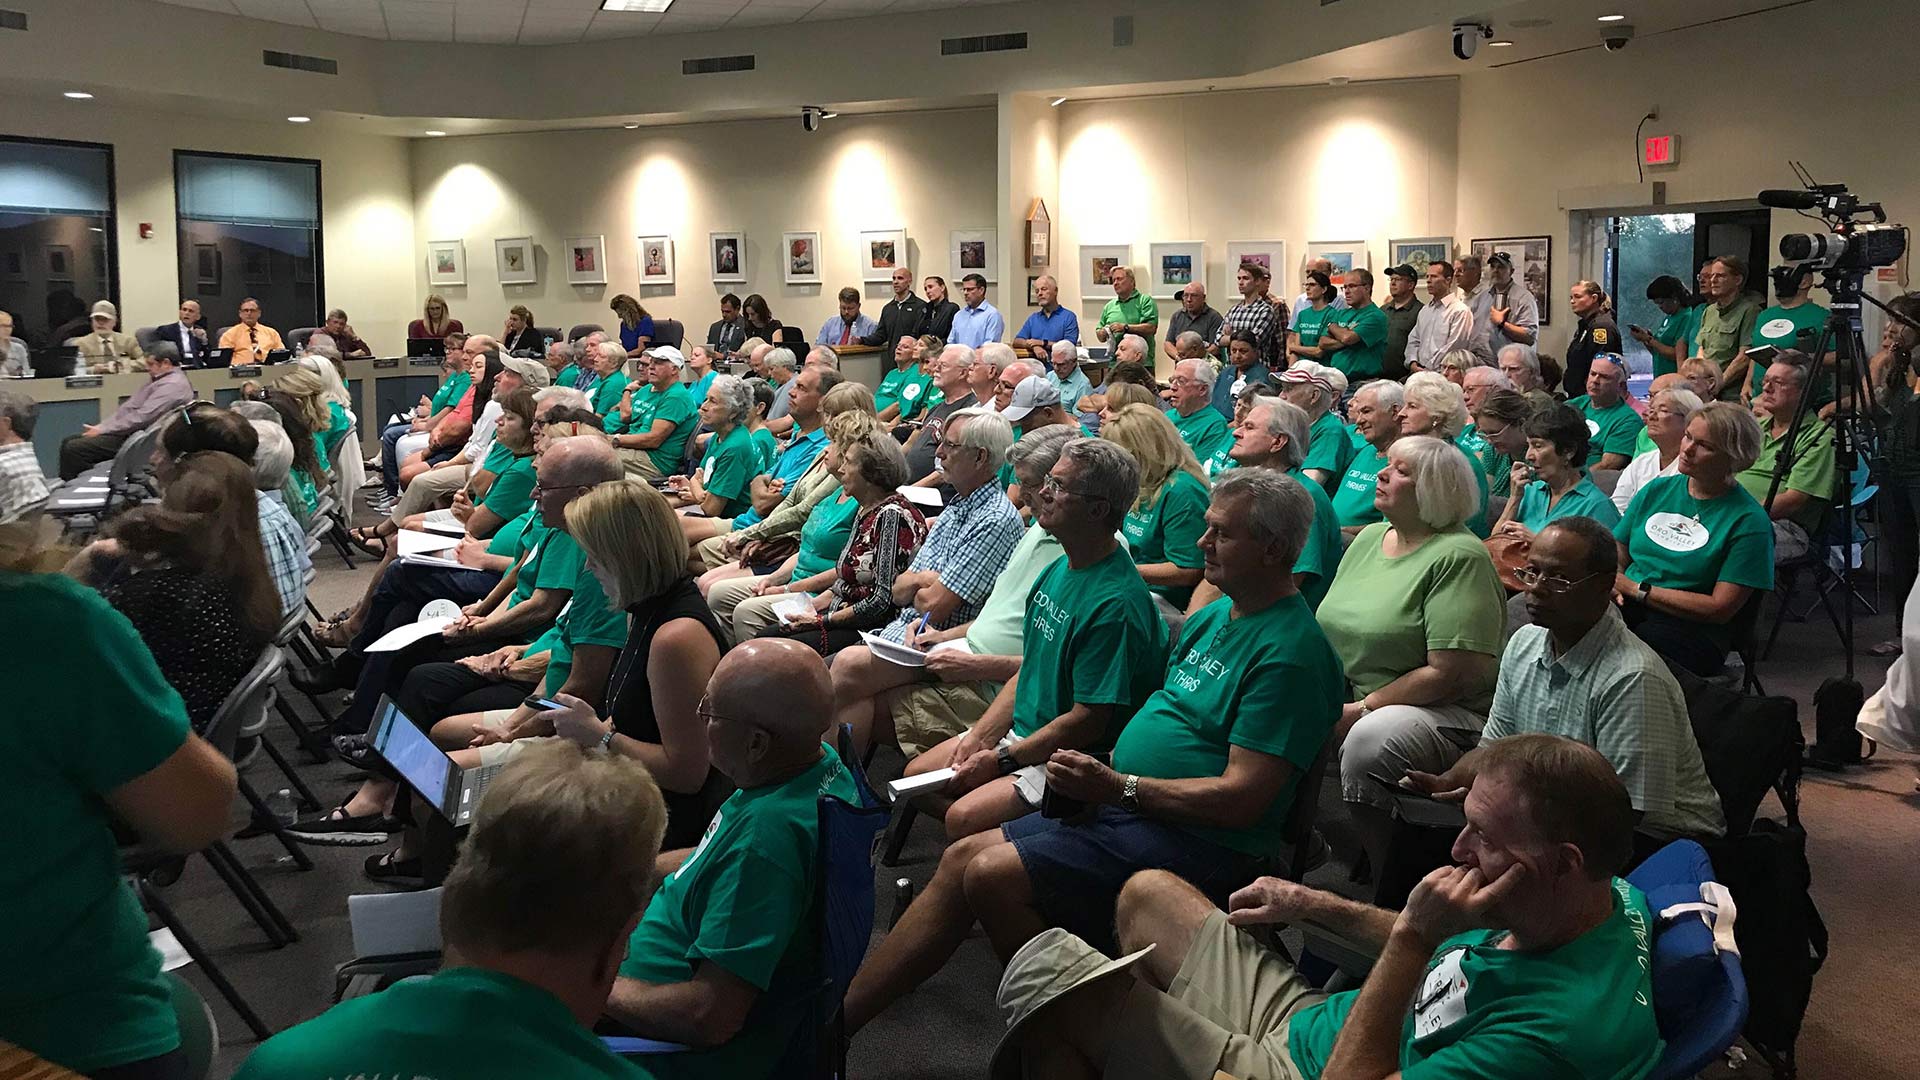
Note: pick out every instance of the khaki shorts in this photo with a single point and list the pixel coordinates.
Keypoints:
(502, 752)
(712, 552)
(927, 714)
(639, 463)
(1228, 1010)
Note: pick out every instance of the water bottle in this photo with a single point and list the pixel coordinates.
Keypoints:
(282, 807)
(902, 896)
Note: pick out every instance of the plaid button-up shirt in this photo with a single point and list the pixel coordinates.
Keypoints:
(970, 544)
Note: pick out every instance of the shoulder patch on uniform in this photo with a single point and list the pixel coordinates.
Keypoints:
(1599, 335)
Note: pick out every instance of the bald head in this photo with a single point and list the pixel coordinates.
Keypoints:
(578, 460)
(777, 684)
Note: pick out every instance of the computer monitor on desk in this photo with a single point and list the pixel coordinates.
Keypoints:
(426, 346)
(54, 361)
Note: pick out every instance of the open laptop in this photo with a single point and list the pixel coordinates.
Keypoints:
(426, 346)
(55, 361)
(426, 768)
(217, 358)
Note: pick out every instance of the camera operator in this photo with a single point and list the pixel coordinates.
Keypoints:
(1896, 410)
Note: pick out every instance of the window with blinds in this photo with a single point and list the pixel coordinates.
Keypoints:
(57, 243)
(250, 227)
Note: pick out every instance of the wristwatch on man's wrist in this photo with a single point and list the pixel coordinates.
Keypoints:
(1003, 758)
(1646, 591)
(1130, 794)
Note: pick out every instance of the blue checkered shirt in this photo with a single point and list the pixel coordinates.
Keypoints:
(286, 547)
(969, 545)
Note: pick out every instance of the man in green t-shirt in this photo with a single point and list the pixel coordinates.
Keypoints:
(1129, 312)
(1316, 389)
(1202, 777)
(734, 930)
(1359, 330)
(1611, 421)
(1793, 323)
(1273, 436)
(659, 418)
(1201, 426)
(1807, 489)
(519, 996)
(1530, 960)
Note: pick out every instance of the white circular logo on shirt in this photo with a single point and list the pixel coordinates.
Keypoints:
(1676, 532)
(910, 391)
(1593, 428)
(706, 472)
(1777, 328)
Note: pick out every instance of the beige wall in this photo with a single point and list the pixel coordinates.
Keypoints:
(928, 172)
(365, 206)
(1578, 114)
(1372, 162)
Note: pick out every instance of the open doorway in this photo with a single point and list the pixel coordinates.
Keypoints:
(1636, 247)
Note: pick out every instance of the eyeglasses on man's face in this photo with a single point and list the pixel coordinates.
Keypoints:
(1538, 580)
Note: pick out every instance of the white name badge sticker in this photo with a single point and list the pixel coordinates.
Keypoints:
(1443, 997)
(1676, 532)
(1593, 428)
(1777, 328)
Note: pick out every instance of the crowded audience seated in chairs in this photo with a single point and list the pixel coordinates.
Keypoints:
(110, 753)
(726, 954)
(1091, 649)
(1529, 959)
(1203, 773)
(1416, 613)
(536, 916)
(1695, 545)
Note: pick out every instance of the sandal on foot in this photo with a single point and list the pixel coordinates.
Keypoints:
(388, 870)
(368, 539)
(337, 828)
(333, 633)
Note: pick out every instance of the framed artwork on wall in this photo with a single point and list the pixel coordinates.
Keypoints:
(1039, 235)
(206, 268)
(1172, 267)
(1345, 255)
(1096, 268)
(1033, 300)
(1271, 254)
(256, 266)
(975, 251)
(1532, 264)
(800, 258)
(446, 262)
(728, 252)
(880, 251)
(586, 260)
(59, 262)
(13, 265)
(1418, 251)
(513, 258)
(656, 260)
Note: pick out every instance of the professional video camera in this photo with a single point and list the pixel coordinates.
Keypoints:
(1859, 238)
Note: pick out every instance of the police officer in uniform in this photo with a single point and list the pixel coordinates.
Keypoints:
(1597, 334)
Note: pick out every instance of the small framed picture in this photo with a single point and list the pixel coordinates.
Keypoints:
(59, 262)
(1418, 251)
(881, 250)
(446, 262)
(975, 251)
(13, 265)
(1033, 300)
(1532, 263)
(586, 260)
(656, 260)
(1173, 267)
(800, 259)
(206, 268)
(513, 257)
(728, 251)
(1271, 254)
(1096, 268)
(256, 266)
(1345, 255)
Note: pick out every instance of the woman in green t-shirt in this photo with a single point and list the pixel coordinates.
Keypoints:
(1697, 544)
(1551, 481)
(719, 487)
(1303, 337)
(1437, 407)
(1163, 526)
(1416, 614)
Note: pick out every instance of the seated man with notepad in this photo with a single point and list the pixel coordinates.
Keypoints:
(1202, 777)
(915, 707)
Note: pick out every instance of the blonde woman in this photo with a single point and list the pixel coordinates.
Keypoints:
(1164, 525)
(1437, 406)
(1454, 366)
(437, 323)
(1119, 395)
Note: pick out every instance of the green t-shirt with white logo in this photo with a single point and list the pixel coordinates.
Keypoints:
(744, 901)
(1169, 531)
(677, 407)
(909, 386)
(1353, 499)
(1320, 556)
(765, 449)
(1266, 681)
(1310, 324)
(1677, 541)
(728, 467)
(1612, 430)
(603, 393)
(1091, 636)
(1780, 327)
(1206, 433)
(1486, 1013)
(1329, 448)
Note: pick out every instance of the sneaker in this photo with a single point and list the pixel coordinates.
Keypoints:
(335, 829)
(387, 870)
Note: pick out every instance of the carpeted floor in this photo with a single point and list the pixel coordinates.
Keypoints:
(1864, 827)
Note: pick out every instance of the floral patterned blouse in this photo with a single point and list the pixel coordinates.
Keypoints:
(884, 540)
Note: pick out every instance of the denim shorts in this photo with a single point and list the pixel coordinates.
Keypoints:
(1077, 869)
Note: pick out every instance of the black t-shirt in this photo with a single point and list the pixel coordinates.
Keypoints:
(1597, 334)
(191, 624)
(630, 698)
(940, 319)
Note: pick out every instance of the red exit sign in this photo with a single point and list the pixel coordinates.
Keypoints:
(1660, 150)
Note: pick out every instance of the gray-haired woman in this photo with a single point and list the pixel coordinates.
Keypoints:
(720, 486)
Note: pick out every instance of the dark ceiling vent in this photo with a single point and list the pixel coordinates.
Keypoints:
(985, 43)
(319, 65)
(716, 65)
(12, 20)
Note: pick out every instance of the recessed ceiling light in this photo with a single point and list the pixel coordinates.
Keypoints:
(436, 133)
(1057, 102)
(299, 119)
(79, 95)
(1501, 44)
(630, 127)
(635, 5)
(1610, 18)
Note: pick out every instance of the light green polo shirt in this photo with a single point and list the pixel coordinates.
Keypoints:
(1812, 471)
(1136, 309)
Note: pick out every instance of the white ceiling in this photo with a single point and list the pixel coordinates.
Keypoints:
(544, 22)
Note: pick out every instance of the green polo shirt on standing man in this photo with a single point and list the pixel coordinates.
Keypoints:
(1134, 310)
(1368, 359)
